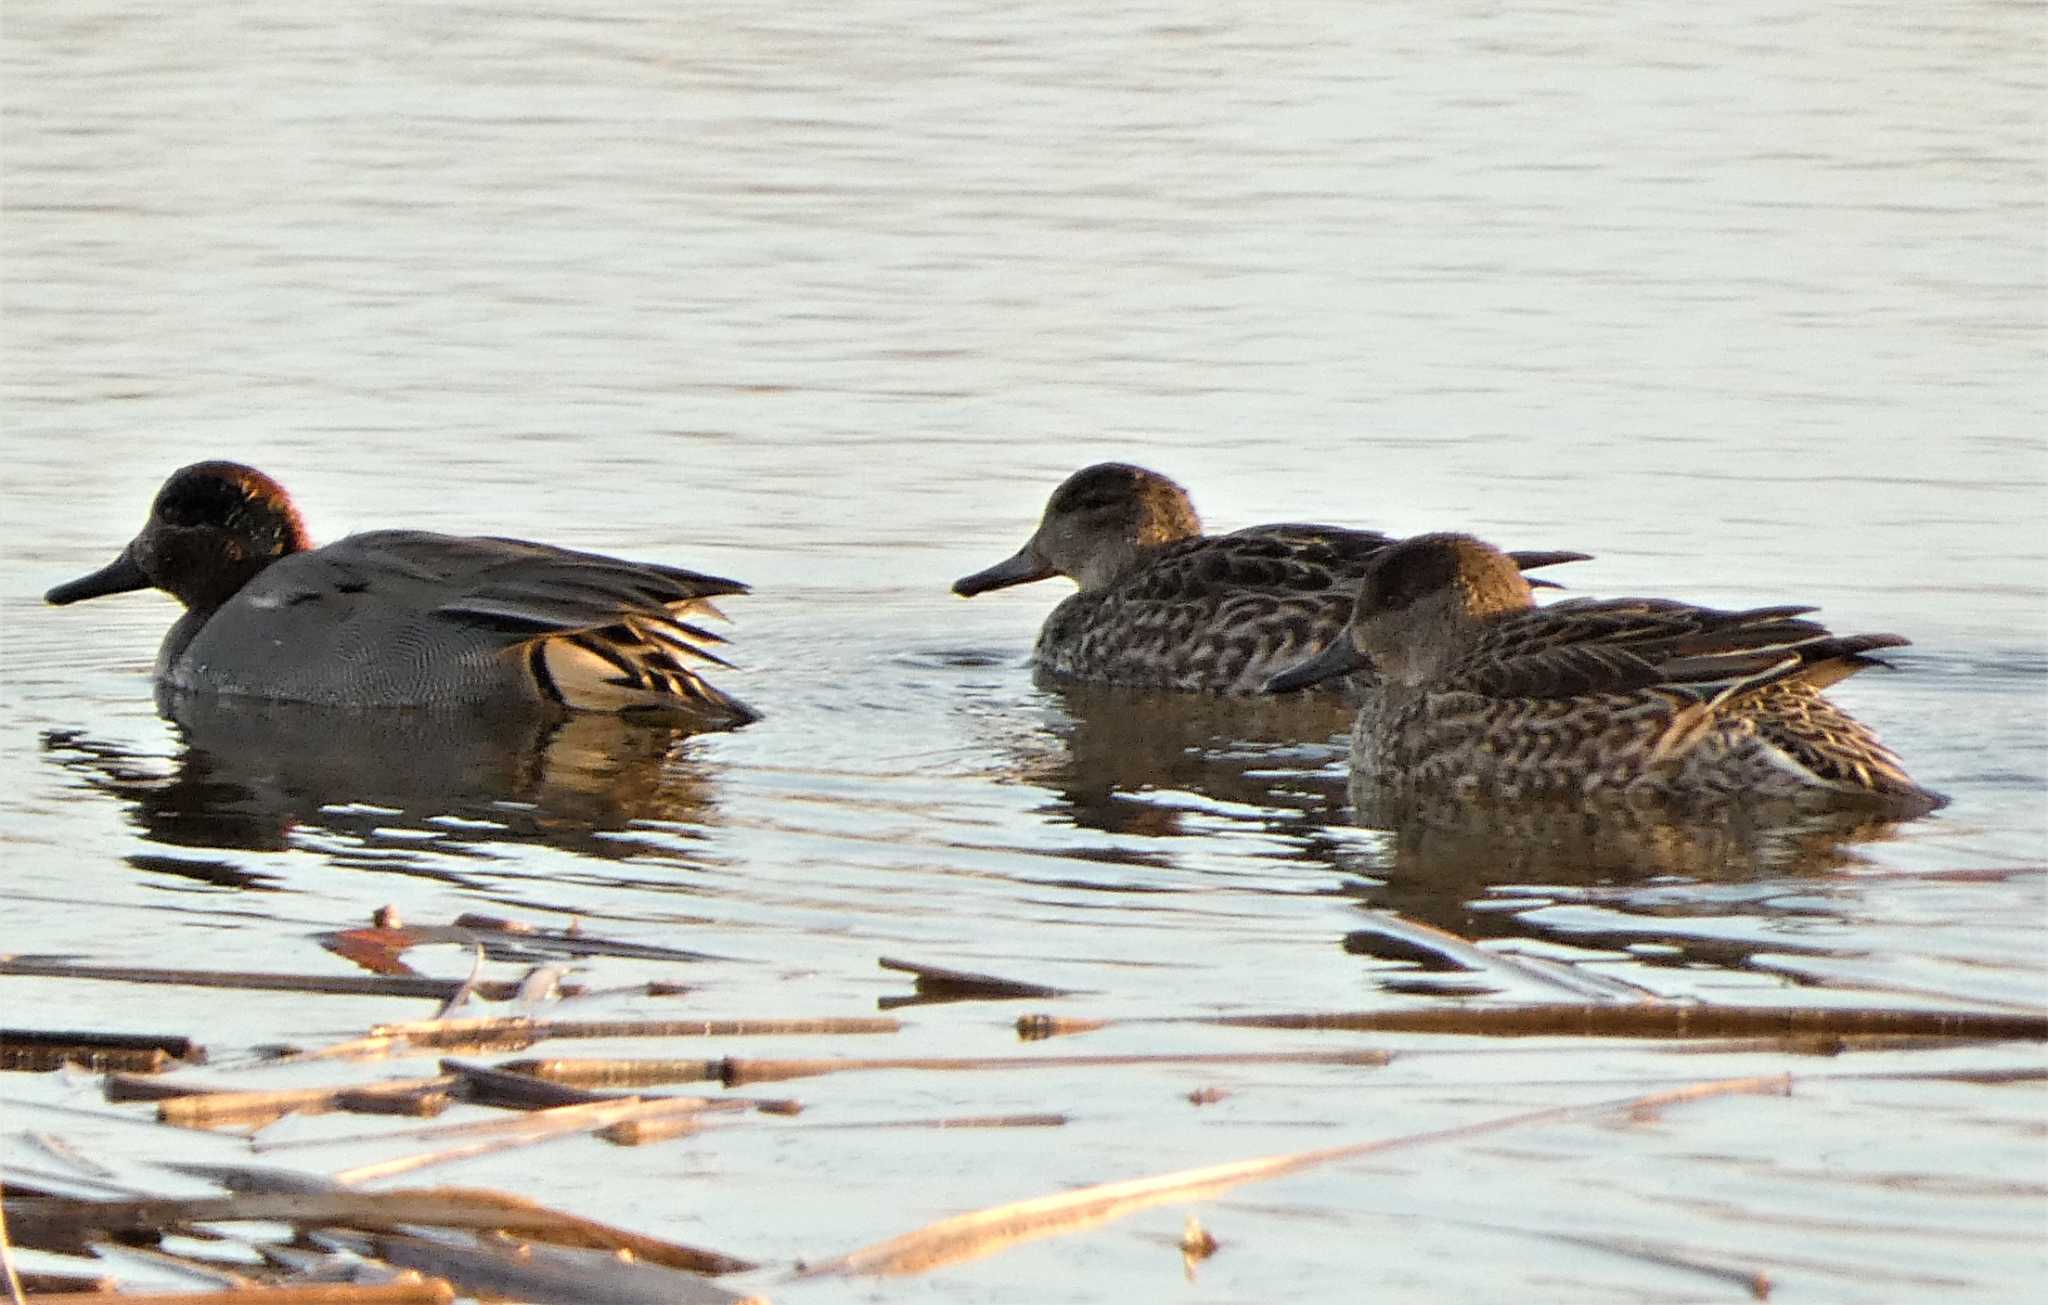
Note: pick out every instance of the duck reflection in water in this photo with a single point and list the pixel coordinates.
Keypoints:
(1444, 853)
(1106, 747)
(1106, 751)
(252, 774)
(1628, 876)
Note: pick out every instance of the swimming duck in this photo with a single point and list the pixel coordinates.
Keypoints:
(407, 618)
(1162, 605)
(1486, 695)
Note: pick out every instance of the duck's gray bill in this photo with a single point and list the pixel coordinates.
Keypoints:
(1528, 559)
(1021, 568)
(1340, 658)
(117, 577)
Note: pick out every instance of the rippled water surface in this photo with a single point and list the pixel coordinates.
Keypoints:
(1746, 301)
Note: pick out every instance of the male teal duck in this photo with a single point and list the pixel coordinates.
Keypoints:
(1484, 695)
(1162, 605)
(406, 618)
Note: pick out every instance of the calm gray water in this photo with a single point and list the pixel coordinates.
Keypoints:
(1746, 300)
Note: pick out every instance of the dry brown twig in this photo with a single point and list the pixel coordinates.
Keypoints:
(413, 1291)
(14, 1292)
(733, 1071)
(57, 1222)
(1606, 1020)
(527, 1130)
(983, 1232)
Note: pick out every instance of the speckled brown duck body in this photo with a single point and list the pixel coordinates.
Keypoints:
(1487, 696)
(408, 618)
(1162, 605)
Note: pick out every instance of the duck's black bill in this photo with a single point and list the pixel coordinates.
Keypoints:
(119, 576)
(1340, 658)
(1528, 559)
(1020, 569)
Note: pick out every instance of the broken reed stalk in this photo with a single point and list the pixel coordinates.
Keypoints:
(54, 1222)
(513, 1033)
(1609, 1020)
(510, 1085)
(1993, 1075)
(527, 1130)
(494, 1271)
(344, 984)
(647, 1132)
(739, 1072)
(7, 1270)
(191, 1266)
(574, 941)
(984, 1232)
(460, 997)
(1813, 1044)
(938, 981)
(44, 1050)
(83, 1286)
(529, 1120)
(418, 1291)
(496, 1087)
(734, 1071)
(590, 1072)
(204, 1108)
(1400, 938)
(353, 1049)
(960, 1121)
(1756, 1282)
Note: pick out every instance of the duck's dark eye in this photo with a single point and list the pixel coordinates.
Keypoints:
(1095, 503)
(1106, 486)
(1093, 498)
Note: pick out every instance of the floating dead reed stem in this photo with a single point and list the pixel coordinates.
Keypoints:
(1608, 1020)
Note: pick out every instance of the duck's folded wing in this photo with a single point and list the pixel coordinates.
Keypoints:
(412, 618)
(529, 589)
(1344, 551)
(1590, 670)
(1782, 703)
(1650, 626)
(1335, 545)
(604, 633)
(1289, 560)
(1700, 653)
(539, 602)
